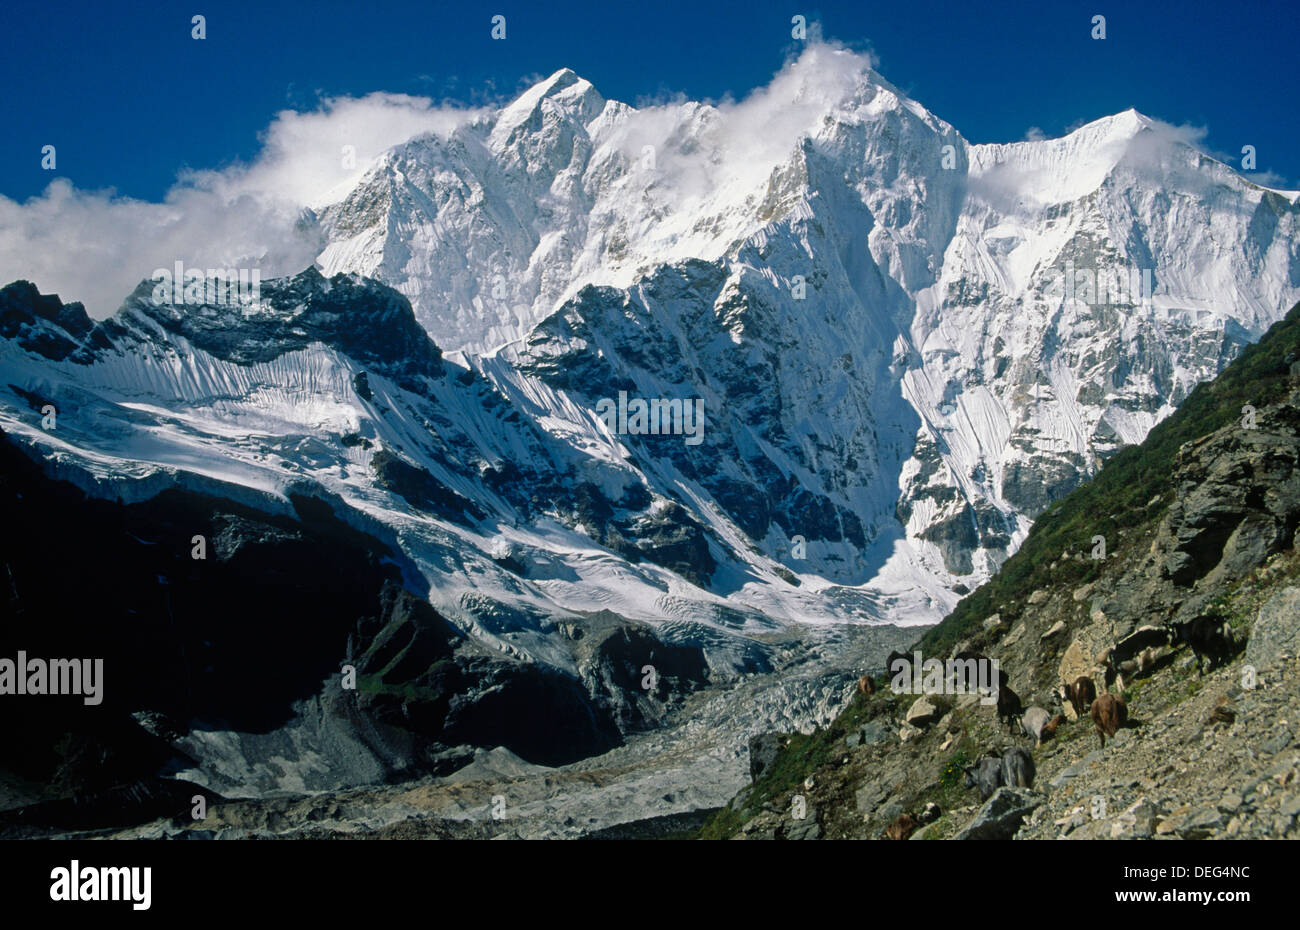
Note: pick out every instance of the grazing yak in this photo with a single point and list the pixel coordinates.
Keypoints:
(1039, 725)
(901, 828)
(1209, 637)
(1079, 695)
(1009, 707)
(1109, 714)
(1017, 767)
(986, 775)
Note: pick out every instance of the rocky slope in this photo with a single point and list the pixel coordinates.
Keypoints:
(1198, 520)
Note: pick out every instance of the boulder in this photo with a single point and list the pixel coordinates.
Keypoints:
(1197, 824)
(1137, 821)
(1277, 630)
(868, 734)
(1002, 814)
(806, 829)
(926, 709)
(892, 811)
(908, 732)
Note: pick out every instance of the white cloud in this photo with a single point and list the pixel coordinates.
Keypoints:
(704, 150)
(95, 246)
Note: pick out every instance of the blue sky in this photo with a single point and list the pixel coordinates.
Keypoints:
(130, 100)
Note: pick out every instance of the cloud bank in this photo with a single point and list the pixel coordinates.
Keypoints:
(95, 246)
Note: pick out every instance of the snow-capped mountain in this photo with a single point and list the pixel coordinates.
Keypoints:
(934, 371)
(872, 314)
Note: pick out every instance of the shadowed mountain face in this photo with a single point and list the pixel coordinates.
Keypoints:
(246, 637)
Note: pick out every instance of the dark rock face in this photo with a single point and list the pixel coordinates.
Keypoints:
(421, 490)
(367, 321)
(231, 640)
(42, 323)
(763, 750)
(1033, 485)
(544, 717)
(237, 641)
(418, 674)
(667, 536)
(744, 399)
(670, 538)
(639, 674)
(956, 538)
(1238, 502)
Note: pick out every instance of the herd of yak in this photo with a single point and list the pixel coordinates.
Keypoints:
(1208, 636)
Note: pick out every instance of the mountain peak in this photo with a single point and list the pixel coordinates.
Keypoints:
(41, 323)
(563, 77)
(361, 317)
(1104, 133)
(573, 97)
